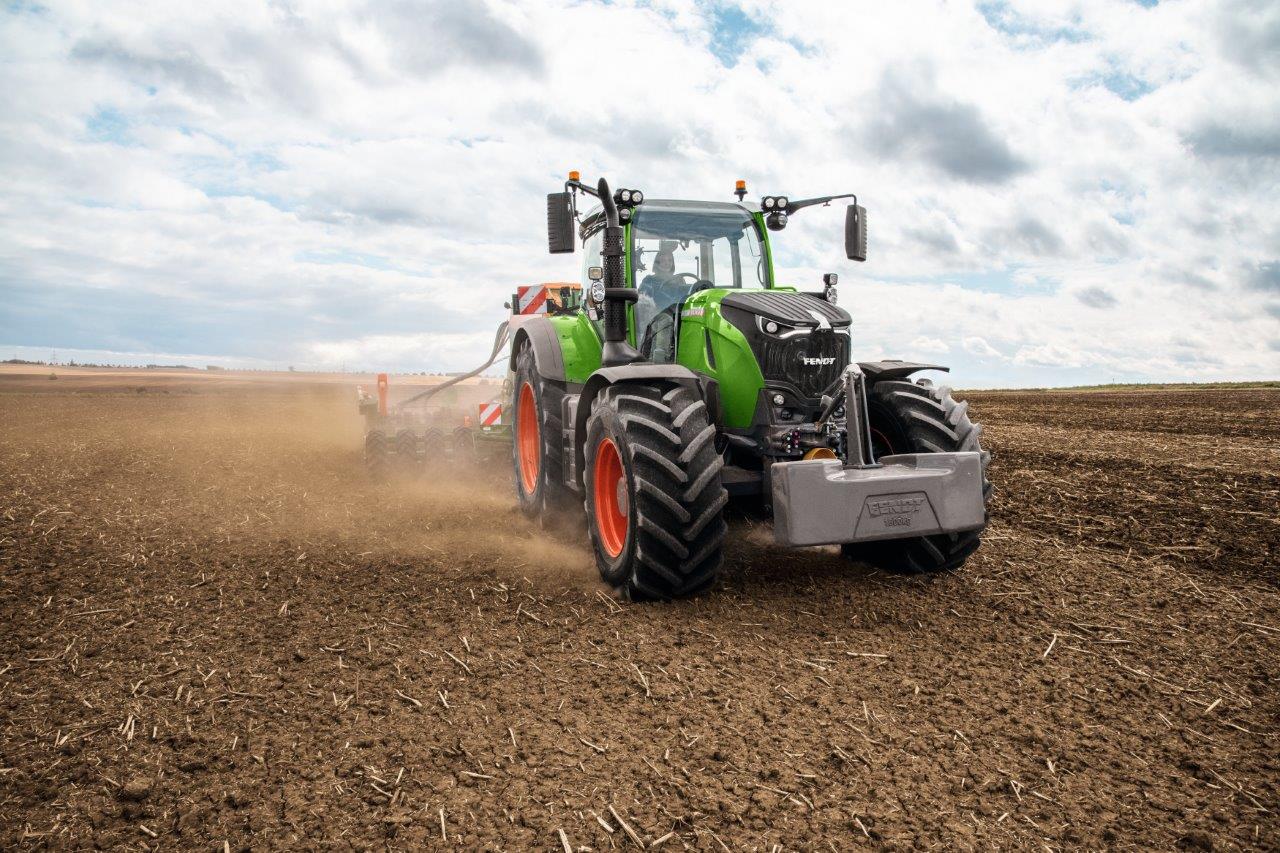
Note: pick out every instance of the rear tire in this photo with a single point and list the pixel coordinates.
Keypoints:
(654, 500)
(538, 460)
(918, 417)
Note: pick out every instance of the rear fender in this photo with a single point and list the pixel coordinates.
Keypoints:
(541, 335)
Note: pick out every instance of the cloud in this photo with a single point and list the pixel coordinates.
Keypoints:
(1034, 237)
(936, 240)
(913, 119)
(1264, 276)
(428, 37)
(163, 62)
(1250, 33)
(924, 344)
(979, 347)
(355, 182)
(1215, 140)
(1049, 355)
(1097, 297)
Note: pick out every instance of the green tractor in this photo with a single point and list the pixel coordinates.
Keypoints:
(689, 376)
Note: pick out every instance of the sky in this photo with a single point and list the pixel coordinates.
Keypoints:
(1057, 192)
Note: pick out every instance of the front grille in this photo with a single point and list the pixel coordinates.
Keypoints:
(783, 360)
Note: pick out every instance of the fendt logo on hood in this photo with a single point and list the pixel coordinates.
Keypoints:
(819, 361)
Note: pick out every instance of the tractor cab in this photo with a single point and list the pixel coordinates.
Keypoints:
(679, 248)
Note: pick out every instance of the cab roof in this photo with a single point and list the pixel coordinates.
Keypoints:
(592, 216)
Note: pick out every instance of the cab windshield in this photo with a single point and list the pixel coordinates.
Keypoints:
(678, 248)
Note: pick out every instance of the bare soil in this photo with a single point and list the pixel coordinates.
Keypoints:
(214, 629)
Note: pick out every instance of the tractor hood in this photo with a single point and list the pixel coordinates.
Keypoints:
(795, 310)
(799, 342)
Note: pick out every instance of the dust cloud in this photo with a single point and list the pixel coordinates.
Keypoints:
(284, 465)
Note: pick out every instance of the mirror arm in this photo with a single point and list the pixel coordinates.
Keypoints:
(579, 185)
(792, 207)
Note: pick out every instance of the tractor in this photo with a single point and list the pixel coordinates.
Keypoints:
(689, 376)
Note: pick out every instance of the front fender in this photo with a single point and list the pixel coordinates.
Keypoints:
(606, 376)
(892, 368)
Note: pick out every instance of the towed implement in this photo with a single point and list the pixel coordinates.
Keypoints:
(453, 420)
(689, 376)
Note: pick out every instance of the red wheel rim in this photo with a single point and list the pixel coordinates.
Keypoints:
(528, 443)
(609, 490)
(884, 442)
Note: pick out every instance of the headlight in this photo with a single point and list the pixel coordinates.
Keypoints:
(831, 295)
(767, 204)
(782, 201)
(771, 327)
(636, 196)
(624, 196)
(597, 292)
(778, 399)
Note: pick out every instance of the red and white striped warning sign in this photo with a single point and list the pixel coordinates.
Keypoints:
(490, 413)
(531, 299)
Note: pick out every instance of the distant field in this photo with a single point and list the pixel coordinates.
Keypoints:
(116, 380)
(214, 629)
(1165, 386)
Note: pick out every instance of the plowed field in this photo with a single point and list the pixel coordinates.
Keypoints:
(216, 633)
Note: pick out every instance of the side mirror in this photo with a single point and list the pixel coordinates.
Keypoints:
(559, 223)
(855, 232)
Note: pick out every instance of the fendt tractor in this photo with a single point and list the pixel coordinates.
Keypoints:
(689, 376)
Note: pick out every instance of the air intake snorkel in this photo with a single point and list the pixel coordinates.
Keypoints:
(616, 294)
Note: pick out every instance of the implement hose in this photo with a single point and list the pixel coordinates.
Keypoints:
(499, 343)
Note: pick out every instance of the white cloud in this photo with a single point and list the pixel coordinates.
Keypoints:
(979, 347)
(924, 344)
(1086, 187)
(1049, 355)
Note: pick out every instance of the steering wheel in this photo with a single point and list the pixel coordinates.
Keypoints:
(698, 283)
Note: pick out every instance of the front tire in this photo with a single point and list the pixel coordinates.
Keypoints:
(908, 417)
(654, 500)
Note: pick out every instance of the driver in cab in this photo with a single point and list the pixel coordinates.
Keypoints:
(661, 293)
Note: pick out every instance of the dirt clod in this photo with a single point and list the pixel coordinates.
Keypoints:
(135, 790)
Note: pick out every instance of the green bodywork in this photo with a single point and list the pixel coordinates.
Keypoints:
(700, 322)
(580, 345)
(735, 365)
